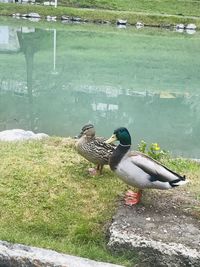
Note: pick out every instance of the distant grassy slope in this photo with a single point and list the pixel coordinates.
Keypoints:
(183, 7)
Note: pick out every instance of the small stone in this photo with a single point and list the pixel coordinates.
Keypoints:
(180, 26)
(34, 15)
(139, 25)
(121, 22)
(76, 19)
(64, 17)
(191, 26)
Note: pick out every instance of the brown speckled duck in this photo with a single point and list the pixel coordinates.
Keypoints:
(93, 148)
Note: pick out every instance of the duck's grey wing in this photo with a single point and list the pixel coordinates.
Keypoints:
(156, 170)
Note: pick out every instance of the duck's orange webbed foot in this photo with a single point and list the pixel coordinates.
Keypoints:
(133, 198)
(92, 171)
(96, 171)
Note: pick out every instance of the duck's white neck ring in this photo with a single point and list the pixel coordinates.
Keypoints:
(124, 145)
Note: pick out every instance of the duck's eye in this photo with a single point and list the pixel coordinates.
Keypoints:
(85, 128)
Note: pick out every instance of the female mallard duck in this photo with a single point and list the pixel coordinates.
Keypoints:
(139, 170)
(93, 148)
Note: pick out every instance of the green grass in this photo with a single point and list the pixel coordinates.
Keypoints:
(49, 200)
(175, 7)
(149, 12)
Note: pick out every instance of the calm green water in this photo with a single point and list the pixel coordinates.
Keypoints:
(54, 78)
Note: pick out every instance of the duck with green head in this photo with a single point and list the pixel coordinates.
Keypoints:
(139, 170)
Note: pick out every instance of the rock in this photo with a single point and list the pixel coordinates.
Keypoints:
(20, 255)
(64, 17)
(16, 15)
(180, 26)
(154, 253)
(34, 15)
(51, 18)
(105, 22)
(19, 135)
(159, 233)
(76, 19)
(121, 22)
(139, 25)
(191, 26)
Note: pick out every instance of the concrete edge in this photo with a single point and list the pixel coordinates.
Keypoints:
(20, 256)
(121, 240)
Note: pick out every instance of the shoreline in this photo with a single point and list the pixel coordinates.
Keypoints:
(20, 135)
(99, 16)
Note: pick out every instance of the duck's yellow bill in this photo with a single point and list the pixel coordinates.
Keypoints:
(112, 139)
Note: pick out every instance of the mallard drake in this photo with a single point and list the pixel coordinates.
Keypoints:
(93, 148)
(139, 170)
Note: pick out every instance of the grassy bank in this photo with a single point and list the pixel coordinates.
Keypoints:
(49, 200)
(184, 7)
(149, 12)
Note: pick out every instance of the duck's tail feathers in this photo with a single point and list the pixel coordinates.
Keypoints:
(178, 182)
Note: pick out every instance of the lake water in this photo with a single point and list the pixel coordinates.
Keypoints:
(54, 78)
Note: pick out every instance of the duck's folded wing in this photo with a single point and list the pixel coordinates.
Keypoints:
(156, 170)
(99, 144)
(100, 139)
(103, 140)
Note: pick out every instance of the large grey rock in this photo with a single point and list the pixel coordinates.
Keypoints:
(15, 255)
(19, 135)
(159, 232)
(121, 22)
(34, 15)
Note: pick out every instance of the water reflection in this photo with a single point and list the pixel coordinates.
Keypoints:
(54, 82)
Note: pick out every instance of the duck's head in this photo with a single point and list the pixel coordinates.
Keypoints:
(87, 130)
(122, 135)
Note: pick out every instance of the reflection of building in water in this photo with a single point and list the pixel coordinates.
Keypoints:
(7, 1)
(27, 41)
(18, 1)
(104, 107)
(8, 39)
(9, 44)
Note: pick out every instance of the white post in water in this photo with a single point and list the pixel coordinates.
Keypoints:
(56, 3)
(54, 50)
